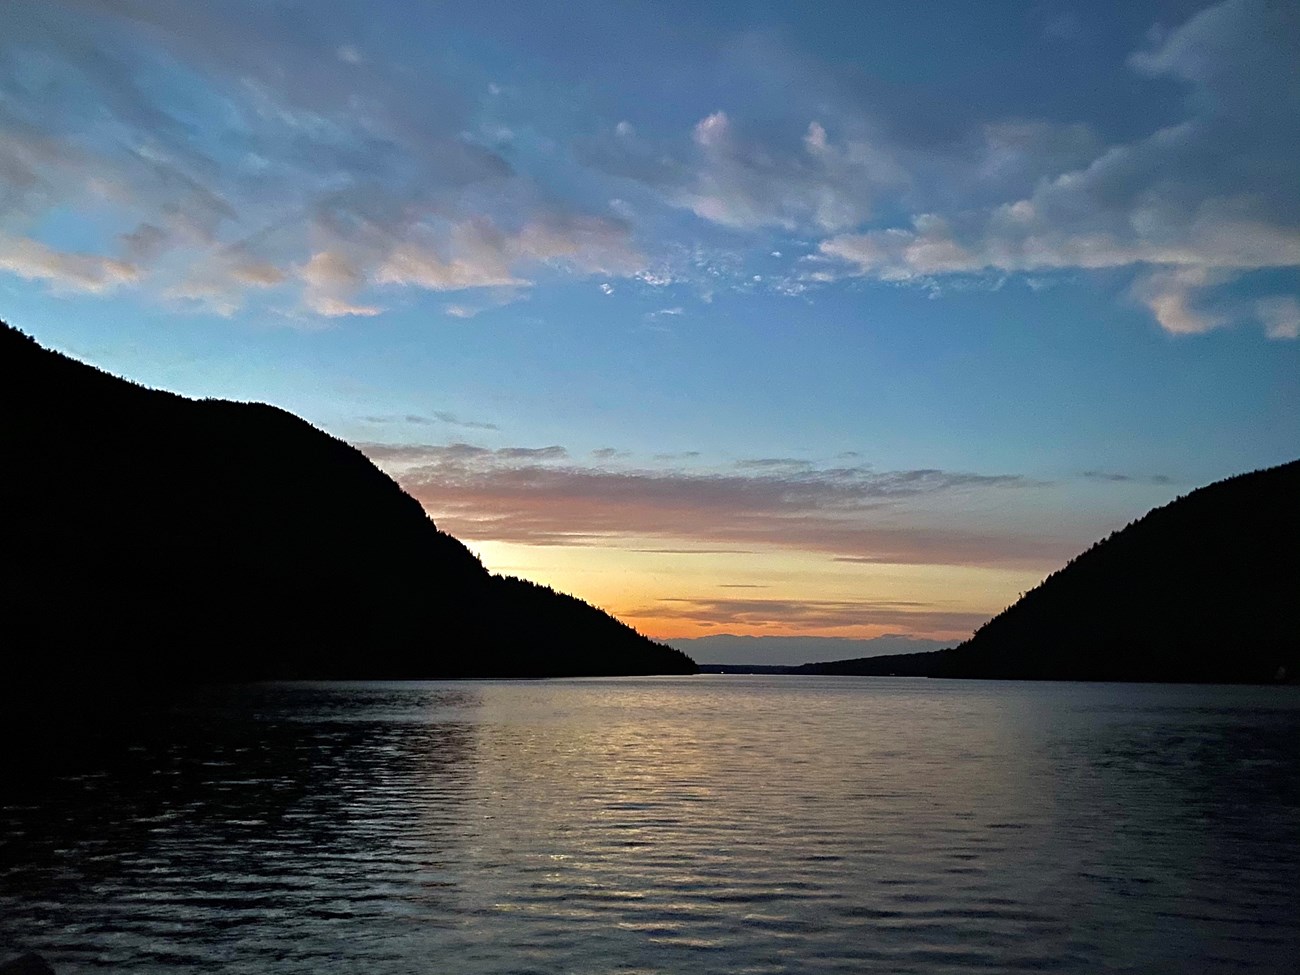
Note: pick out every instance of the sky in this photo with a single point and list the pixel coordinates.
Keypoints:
(839, 320)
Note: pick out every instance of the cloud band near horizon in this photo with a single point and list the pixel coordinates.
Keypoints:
(535, 496)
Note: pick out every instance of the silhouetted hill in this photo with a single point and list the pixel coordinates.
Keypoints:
(1206, 588)
(145, 536)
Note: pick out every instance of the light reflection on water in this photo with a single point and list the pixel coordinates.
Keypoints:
(720, 824)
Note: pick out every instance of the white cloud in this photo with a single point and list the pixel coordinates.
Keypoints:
(1197, 203)
(747, 184)
(656, 278)
(747, 180)
(1019, 237)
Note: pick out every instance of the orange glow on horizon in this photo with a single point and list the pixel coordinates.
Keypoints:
(682, 592)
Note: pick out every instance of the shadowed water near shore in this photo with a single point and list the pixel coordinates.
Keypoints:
(727, 824)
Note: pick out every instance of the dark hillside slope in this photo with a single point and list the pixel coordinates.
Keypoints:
(145, 536)
(1206, 588)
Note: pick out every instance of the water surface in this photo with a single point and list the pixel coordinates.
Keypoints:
(712, 824)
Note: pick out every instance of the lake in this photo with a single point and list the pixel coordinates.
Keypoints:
(699, 824)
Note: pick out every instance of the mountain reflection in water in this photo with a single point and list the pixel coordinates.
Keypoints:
(722, 824)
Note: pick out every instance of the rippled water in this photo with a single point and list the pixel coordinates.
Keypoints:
(707, 824)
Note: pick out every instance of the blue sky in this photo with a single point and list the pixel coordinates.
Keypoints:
(834, 319)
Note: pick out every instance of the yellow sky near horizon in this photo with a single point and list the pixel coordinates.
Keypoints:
(679, 591)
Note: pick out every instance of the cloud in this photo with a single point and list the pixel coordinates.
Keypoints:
(329, 271)
(64, 271)
(531, 496)
(455, 421)
(1118, 478)
(332, 307)
(313, 143)
(694, 551)
(438, 416)
(1170, 295)
(330, 279)
(583, 243)
(481, 262)
(814, 183)
(1281, 317)
(477, 253)
(453, 455)
(331, 174)
(531, 453)
(144, 242)
(821, 614)
(747, 181)
(774, 463)
(256, 274)
(1196, 203)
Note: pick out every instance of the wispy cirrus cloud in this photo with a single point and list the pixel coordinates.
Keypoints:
(1115, 477)
(320, 180)
(330, 179)
(536, 496)
(436, 417)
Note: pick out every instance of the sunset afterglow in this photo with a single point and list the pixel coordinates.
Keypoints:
(843, 319)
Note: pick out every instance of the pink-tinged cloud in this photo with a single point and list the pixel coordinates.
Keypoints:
(530, 496)
(64, 271)
(366, 179)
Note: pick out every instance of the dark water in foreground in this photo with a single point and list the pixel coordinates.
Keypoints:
(708, 824)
